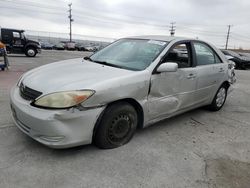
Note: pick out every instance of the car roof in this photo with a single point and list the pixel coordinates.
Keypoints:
(160, 37)
(17, 30)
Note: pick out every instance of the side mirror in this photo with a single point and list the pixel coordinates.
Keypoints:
(231, 64)
(168, 67)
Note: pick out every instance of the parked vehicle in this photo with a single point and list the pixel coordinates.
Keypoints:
(16, 42)
(80, 47)
(70, 46)
(246, 56)
(92, 48)
(130, 84)
(241, 62)
(47, 45)
(60, 46)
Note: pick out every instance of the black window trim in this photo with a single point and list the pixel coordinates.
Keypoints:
(190, 49)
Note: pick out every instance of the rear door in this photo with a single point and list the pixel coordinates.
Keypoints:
(173, 91)
(210, 72)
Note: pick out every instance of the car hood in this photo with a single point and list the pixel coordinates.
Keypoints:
(245, 58)
(73, 74)
(32, 41)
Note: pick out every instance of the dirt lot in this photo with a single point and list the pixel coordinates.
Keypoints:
(194, 150)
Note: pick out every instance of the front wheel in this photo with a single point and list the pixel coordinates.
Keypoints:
(219, 99)
(30, 52)
(117, 126)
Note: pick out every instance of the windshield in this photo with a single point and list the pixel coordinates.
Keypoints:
(132, 54)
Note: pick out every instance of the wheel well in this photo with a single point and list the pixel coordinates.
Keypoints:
(133, 103)
(137, 107)
(31, 46)
(226, 83)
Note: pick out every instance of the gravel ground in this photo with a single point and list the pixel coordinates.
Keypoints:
(193, 150)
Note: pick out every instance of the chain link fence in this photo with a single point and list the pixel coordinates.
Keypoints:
(54, 38)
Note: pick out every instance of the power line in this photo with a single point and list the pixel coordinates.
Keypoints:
(31, 4)
(102, 19)
(200, 30)
(207, 33)
(23, 10)
(100, 12)
(23, 5)
(239, 38)
(240, 35)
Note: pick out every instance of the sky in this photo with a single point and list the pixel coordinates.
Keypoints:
(204, 19)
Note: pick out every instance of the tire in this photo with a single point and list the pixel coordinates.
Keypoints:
(237, 66)
(30, 52)
(243, 67)
(117, 126)
(219, 98)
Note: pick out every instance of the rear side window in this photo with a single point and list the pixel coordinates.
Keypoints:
(205, 55)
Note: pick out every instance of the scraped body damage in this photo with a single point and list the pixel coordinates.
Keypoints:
(170, 92)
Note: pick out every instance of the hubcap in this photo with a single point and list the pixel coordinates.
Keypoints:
(221, 96)
(31, 52)
(119, 129)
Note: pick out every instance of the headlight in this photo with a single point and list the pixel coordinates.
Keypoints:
(61, 100)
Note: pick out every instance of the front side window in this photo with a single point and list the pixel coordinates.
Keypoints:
(132, 54)
(205, 55)
(180, 54)
(16, 35)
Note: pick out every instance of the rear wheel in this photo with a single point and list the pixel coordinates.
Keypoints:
(117, 126)
(219, 98)
(30, 52)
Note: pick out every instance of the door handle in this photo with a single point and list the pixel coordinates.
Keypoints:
(190, 76)
(221, 70)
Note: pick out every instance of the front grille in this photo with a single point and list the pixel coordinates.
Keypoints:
(28, 93)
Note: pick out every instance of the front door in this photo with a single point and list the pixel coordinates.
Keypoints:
(173, 91)
(18, 42)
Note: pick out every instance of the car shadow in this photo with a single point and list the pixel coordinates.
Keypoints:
(91, 148)
(168, 122)
(23, 56)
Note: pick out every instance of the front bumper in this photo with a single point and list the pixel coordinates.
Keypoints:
(246, 65)
(39, 50)
(54, 128)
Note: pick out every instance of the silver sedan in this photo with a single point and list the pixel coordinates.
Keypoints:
(132, 83)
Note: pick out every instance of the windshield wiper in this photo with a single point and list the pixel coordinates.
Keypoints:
(108, 64)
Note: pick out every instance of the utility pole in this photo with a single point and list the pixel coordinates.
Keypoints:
(228, 35)
(70, 22)
(172, 28)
